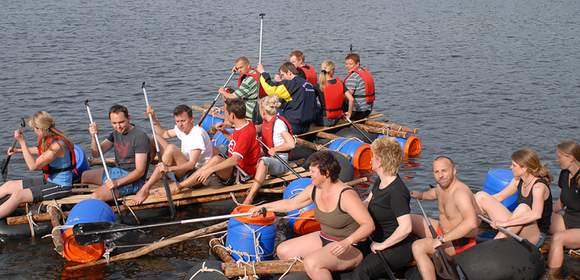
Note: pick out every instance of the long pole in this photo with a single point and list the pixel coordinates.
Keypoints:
(280, 159)
(261, 31)
(358, 129)
(7, 160)
(215, 100)
(102, 156)
(158, 151)
(502, 229)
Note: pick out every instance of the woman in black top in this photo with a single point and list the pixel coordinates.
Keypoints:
(566, 228)
(531, 218)
(388, 204)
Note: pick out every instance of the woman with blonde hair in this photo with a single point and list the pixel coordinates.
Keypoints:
(277, 137)
(331, 94)
(531, 218)
(566, 217)
(55, 159)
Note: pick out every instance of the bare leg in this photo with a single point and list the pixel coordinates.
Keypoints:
(420, 227)
(19, 196)
(557, 224)
(102, 193)
(93, 176)
(299, 246)
(570, 239)
(322, 262)
(422, 250)
(191, 181)
(532, 236)
(261, 173)
(10, 187)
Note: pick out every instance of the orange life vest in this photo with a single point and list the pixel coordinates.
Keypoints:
(47, 170)
(309, 73)
(369, 84)
(254, 74)
(333, 99)
(268, 129)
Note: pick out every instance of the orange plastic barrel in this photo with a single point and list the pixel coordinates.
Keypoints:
(411, 146)
(306, 223)
(78, 253)
(359, 152)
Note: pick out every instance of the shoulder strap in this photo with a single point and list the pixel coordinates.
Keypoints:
(340, 198)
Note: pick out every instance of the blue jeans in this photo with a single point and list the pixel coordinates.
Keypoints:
(131, 188)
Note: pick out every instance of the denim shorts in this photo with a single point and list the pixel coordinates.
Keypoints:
(124, 190)
(275, 167)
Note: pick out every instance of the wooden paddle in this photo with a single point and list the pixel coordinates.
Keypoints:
(215, 99)
(165, 183)
(524, 242)
(7, 159)
(358, 129)
(280, 159)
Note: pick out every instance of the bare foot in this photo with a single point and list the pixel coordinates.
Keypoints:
(161, 191)
(139, 197)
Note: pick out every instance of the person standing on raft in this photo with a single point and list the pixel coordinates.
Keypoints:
(277, 135)
(344, 221)
(239, 164)
(388, 204)
(249, 88)
(195, 151)
(531, 218)
(360, 88)
(56, 160)
(305, 71)
(132, 149)
(331, 94)
(566, 217)
(458, 222)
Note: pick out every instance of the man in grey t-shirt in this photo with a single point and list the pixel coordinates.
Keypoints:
(131, 147)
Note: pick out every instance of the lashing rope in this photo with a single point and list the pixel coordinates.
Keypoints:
(296, 259)
(204, 268)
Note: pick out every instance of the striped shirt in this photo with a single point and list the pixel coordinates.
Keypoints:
(248, 92)
(356, 84)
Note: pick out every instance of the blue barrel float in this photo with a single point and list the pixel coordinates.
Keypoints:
(411, 145)
(210, 121)
(359, 152)
(219, 139)
(251, 238)
(86, 211)
(82, 162)
(495, 181)
(301, 220)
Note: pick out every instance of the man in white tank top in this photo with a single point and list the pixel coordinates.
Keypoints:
(196, 149)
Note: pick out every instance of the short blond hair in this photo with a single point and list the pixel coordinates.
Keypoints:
(389, 153)
(270, 104)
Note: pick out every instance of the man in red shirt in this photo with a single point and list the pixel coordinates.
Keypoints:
(243, 151)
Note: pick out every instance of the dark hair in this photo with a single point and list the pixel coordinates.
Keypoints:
(445, 157)
(119, 109)
(288, 67)
(236, 106)
(180, 109)
(327, 164)
(353, 56)
(298, 54)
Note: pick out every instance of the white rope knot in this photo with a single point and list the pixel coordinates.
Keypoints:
(296, 259)
(204, 268)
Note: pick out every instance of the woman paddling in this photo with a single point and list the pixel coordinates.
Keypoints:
(566, 227)
(388, 204)
(531, 218)
(55, 159)
(344, 221)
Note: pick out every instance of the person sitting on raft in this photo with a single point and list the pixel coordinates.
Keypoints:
(56, 160)
(344, 221)
(360, 87)
(458, 222)
(388, 204)
(178, 163)
(249, 88)
(131, 146)
(531, 218)
(239, 164)
(277, 135)
(305, 71)
(566, 228)
(299, 106)
(331, 94)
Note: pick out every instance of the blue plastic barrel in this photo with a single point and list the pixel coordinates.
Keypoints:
(82, 162)
(358, 151)
(219, 139)
(241, 239)
(89, 211)
(495, 181)
(210, 121)
(300, 226)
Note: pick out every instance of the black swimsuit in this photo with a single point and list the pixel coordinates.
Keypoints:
(570, 198)
(546, 219)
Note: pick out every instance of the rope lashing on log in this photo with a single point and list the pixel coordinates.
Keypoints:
(296, 259)
(204, 268)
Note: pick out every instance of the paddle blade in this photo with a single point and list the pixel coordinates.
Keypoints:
(90, 233)
(5, 168)
(445, 266)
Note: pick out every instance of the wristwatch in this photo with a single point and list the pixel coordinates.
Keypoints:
(441, 238)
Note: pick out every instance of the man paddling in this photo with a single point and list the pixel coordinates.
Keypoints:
(131, 146)
(249, 88)
(195, 151)
(239, 164)
(458, 222)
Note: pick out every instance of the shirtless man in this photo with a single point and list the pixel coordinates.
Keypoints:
(458, 222)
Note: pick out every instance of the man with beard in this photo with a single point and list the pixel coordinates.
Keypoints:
(458, 222)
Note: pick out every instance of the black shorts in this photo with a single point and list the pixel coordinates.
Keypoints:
(326, 241)
(237, 175)
(42, 190)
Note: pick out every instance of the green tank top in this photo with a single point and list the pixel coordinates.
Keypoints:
(336, 223)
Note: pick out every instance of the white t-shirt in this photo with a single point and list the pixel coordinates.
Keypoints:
(197, 139)
(279, 128)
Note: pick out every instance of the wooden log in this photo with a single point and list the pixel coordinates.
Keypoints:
(157, 245)
(385, 131)
(316, 129)
(326, 135)
(262, 268)
(391, 125)
(217, 249)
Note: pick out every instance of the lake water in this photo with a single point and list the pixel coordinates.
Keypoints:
(480, 79)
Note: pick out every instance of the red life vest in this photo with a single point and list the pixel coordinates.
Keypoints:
(268, 130)
(254, 74)
(47, 170)
(309, 73)
(369, 84)
(333, 99)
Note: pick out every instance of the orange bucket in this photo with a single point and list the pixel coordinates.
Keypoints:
(306, 223)
(256, 220)
(78, 253)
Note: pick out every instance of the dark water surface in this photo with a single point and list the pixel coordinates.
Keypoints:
(480, 79)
